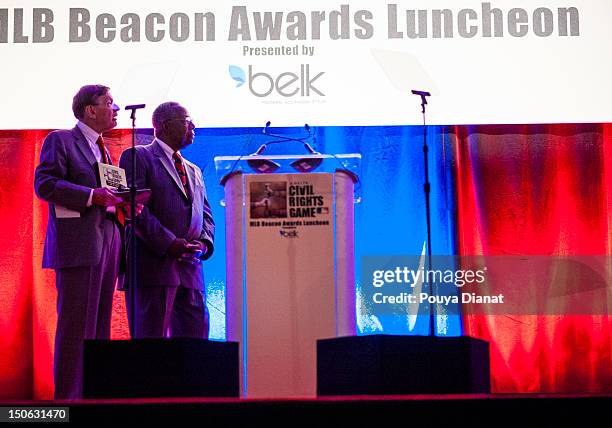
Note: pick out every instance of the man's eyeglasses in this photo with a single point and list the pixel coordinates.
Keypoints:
(186, 121)
(109, 104)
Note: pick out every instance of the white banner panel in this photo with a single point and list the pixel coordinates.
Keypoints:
(321, 62)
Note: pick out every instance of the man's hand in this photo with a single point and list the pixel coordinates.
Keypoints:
(104, 197)
(187, 252)
(197, 245)
(178, 247)
(193, 254)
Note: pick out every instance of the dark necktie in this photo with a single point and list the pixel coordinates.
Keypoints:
(180, 168)
(100, 143)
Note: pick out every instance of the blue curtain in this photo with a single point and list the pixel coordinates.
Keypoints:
(390, 220)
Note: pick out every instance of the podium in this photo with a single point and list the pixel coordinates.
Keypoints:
(290, 277)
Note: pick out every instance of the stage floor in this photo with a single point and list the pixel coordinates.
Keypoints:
(417, 410)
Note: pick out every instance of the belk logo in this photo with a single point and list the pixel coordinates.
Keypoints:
(288, 233)
(286, 84)
(237, 74)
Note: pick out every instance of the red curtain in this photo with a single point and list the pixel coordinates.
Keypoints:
(27, 292)
(538, 190)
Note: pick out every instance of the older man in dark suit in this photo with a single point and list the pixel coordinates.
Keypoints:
(175, 232)
(83, 242)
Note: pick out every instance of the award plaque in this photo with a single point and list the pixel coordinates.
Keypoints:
(114, 178)
(111, 177)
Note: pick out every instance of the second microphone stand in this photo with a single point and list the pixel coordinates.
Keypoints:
(427, 191)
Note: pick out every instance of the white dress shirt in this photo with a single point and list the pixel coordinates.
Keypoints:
(91, 137)
(169, 151)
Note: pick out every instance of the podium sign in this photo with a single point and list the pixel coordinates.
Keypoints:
(290, 280)
(290, 275)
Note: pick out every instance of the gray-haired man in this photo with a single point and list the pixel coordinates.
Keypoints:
(83, 243)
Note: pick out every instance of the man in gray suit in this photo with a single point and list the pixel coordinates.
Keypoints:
(175, 233)
(83, 243)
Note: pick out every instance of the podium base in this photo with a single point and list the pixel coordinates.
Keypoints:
(385, 364)
(160, 368)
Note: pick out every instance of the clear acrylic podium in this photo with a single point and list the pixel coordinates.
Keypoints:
(290, 276)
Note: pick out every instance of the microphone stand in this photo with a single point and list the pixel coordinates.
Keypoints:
(427, 191)
(132, 259)
(260, 150)
(283, 138)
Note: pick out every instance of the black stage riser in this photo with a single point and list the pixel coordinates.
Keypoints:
(160, 368)
(387, 364)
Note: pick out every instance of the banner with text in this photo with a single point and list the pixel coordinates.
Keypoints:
(325, 63)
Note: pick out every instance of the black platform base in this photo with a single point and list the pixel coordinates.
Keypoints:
(160, 368)
(383, 364)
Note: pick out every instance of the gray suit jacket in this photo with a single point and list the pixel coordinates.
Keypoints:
(168, 214)
(65, 176)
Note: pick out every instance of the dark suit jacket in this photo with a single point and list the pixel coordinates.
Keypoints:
(168, 214)
(65, 176)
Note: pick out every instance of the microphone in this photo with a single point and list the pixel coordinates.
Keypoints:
(421, 93)
(283, 138)
(259, 150)
(310, 149)
(134, 106)
(263, 146)
(308, 146)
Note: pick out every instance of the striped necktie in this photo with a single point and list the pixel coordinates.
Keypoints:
(180, 168)
(100, 143)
